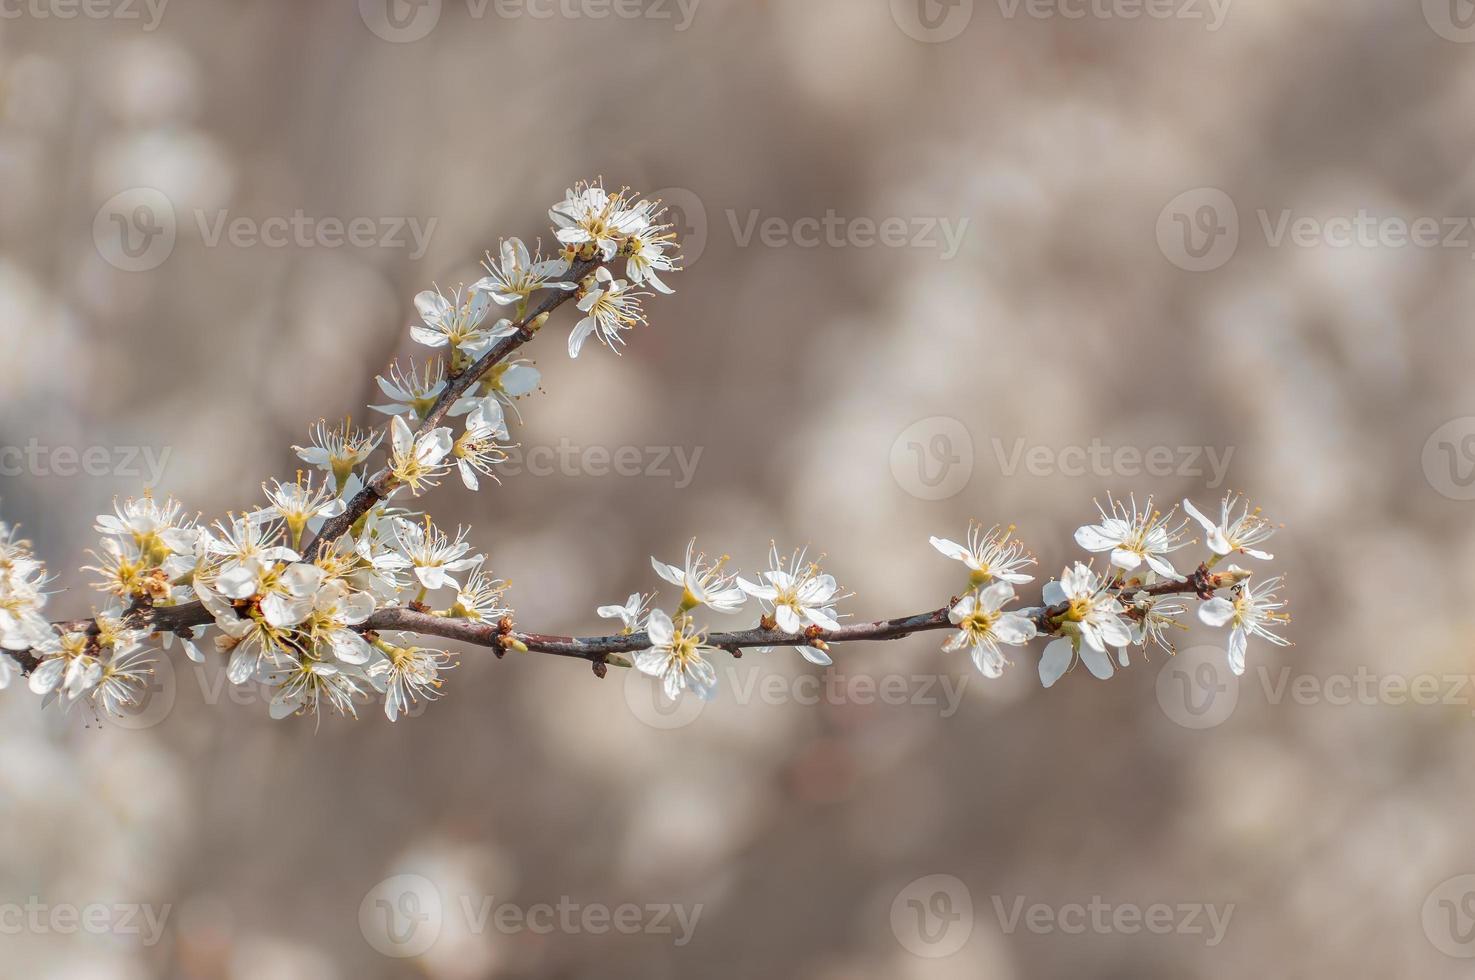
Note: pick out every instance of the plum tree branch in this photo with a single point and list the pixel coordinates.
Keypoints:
(379, 488)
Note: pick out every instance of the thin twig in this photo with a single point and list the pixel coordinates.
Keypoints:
(379, 487)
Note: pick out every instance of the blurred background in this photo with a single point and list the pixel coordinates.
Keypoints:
(1169, 247)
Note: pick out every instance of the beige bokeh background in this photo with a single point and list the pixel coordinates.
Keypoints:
(1064, 320)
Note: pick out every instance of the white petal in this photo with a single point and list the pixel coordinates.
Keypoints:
(950, 548)
(1238, 640)
(1055, 661)
(45, 677)
(1094, 537)
(1216, 612)
(1097, 662)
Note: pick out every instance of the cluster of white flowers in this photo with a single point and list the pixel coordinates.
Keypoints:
(797, 596)
(1092, 613)
(22, 597)
(291, 611)
(297, 588)
(286, 621)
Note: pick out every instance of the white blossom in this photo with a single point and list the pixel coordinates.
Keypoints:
(412, 392)
(407, 674)
(1092, 613)
(480, 600)
(433, 555)
(983, 626)
(503, 383)
(1234, 532)
(458, 323)
(418, 463)
(702, 583)
(799, 595)
(633, 614)
(300, 505)
(338, 449)
(648, 256)
(595, 223)
(1135, 536)
(1252, 611)
(609, 309)
(479, 449)
(247, 549)
(335, 611)
(519, 274)
(990, 555)
(675, 657)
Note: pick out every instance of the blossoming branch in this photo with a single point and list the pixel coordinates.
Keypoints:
(326, 590)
